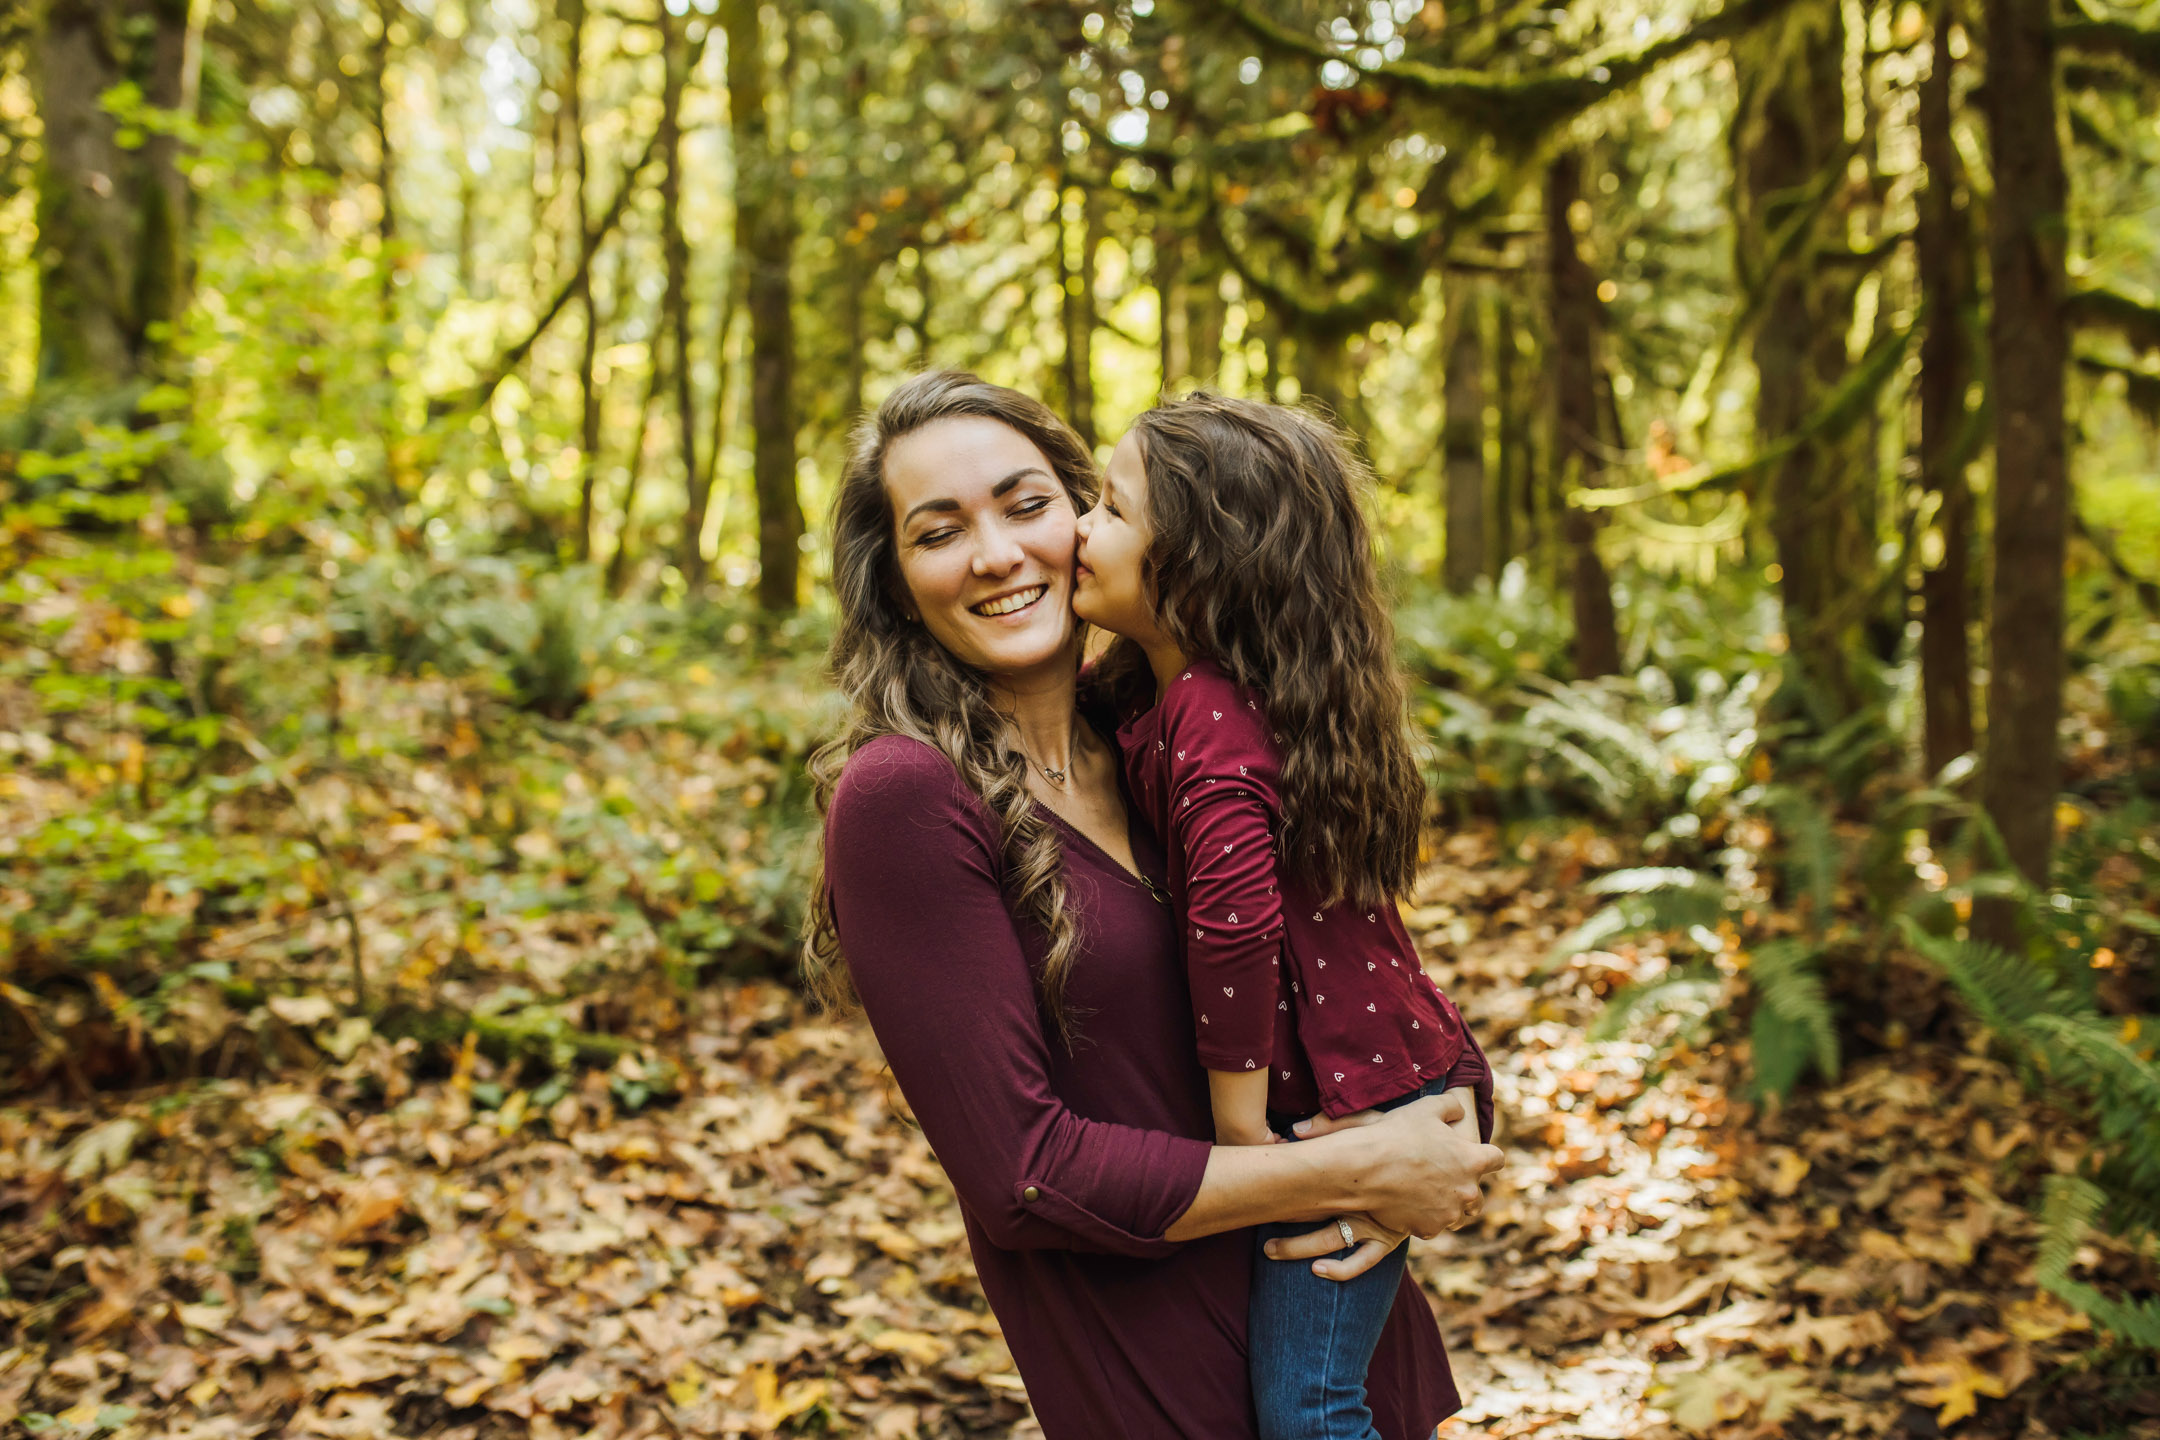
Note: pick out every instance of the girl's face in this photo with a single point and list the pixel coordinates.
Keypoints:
(984, 531)
(1111, 588)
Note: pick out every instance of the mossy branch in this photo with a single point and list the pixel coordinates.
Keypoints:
(2133, 319)
(1853, 397)
(2116, 39)
(1523, 106)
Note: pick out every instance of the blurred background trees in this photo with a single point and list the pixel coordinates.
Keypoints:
(416, 418)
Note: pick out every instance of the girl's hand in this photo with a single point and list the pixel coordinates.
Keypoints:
(1374, 1241)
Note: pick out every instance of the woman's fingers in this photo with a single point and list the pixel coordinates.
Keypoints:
(1323, 1245)
(1357, 1262)
(1309, 1246)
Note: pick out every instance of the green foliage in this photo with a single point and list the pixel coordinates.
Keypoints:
(2059, 1038)
(1794, 1024)
(1651, 901)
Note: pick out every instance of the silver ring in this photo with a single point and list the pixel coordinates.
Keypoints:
(1348, 1239)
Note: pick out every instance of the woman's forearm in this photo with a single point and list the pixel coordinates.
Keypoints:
(1254, 1184)
(1408, 1169)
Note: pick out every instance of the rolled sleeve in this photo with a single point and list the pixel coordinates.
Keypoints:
(913, 868)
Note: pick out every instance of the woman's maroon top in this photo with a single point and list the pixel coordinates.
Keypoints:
(1069, 1165)
(1331, 998)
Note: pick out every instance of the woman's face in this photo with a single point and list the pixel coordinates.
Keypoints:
(1110, 587)
(984, 531)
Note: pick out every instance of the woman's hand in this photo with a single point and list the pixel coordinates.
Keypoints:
(1372, 1239)
(1418, 1173)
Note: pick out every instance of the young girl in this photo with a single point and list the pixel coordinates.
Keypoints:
(1266, 743)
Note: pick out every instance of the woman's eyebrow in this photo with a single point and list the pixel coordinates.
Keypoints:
(998, 491)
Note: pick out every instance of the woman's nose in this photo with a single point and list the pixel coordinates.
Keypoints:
(997, 554)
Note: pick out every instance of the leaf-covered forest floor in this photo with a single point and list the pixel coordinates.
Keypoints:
(393, 1244)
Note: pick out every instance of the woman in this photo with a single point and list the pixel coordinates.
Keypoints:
(1002, 923)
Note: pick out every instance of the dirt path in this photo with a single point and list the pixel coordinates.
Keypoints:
(758, 1244)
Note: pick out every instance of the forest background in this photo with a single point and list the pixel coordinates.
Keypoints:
(416, 419)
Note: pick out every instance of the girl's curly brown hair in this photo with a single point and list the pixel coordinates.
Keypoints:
(1262, 561)
(900, 681)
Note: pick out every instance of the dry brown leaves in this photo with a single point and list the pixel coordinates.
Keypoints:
(367, 1253)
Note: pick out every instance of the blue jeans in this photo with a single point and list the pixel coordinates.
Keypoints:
(1311, 1340)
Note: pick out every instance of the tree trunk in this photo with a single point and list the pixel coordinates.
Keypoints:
(1173, 323)
(1944, 249)
(1789, 134)
(675, 250)
(618, 567)
(1076, 280)
(2028, 346)
(1516, 515)
(1572, 294)
(765, 246)
(1204, 325)
(1462, 440)
(925, 299)
(112, 222)
(588, 355)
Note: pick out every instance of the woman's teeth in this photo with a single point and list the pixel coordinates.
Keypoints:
(1019, 600)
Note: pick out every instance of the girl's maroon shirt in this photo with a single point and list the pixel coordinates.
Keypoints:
(1069, 1163)
(1331, 998)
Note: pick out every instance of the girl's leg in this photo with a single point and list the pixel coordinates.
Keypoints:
(1311, 1342)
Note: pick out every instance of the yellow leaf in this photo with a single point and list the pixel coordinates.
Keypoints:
(2042, 1318)
(777, 1405)
(686, 1387)
(1959, 1384)
(915, 1345)
(203, 1391)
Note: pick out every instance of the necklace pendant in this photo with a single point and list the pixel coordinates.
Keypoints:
(1055, 777)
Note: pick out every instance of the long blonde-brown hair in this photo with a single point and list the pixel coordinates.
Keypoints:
(1262, 561)
(900, 681)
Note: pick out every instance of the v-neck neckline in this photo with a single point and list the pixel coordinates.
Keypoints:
(1136, 872)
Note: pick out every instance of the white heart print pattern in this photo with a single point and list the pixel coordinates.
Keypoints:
(1228, 993)
(1338, 1074)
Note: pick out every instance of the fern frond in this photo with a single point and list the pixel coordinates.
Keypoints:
(1647, 878)
(1788, 983)
(2004, 990)
(1682, 988)
(2088, 1049)
(2068, 1208)
(1813, 860)
(1679, 900)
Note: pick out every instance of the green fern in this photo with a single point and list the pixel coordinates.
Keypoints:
(1652, 901)
(2068, 1209)
(1683, 990)
(2056, 1030)
(2005, 991)
(1813, 860)
(1793, 1014)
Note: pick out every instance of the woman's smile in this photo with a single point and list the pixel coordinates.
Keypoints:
(1011, 603)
